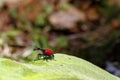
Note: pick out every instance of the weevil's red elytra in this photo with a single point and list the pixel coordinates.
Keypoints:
(49, 52)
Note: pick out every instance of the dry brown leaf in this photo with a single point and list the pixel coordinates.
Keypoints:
(92, 14)
(67, 19)
(4, 20)
(116, 24)
(14, 3)
(114, 2)
(30, 9)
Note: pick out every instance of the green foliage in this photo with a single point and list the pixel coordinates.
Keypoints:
(1, 4)
(11, 33)
(2, 42)
(65, 6)
(48, 9)
(109, 10)
(105, 3)
(116, 33)
(22, 18)
(40, 20)
(28, 9)
(43, 41)
(64, 67)
(118, 17)
(13, 12)
(62, 41)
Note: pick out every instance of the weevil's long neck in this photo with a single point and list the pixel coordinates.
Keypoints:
(38, 49)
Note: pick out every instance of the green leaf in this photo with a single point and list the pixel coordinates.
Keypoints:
(64, 67)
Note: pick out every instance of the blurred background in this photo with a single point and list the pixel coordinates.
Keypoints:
(89, 29)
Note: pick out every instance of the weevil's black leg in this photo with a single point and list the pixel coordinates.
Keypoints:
(52, 56)
(38, 56)
(45, 58)
(49, 57)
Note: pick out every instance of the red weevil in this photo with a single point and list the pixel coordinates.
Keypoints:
(47, 54)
